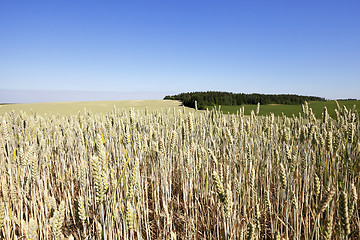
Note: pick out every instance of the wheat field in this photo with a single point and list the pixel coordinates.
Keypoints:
(172, 174)
(73, 108)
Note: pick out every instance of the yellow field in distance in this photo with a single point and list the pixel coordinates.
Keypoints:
(66, 108)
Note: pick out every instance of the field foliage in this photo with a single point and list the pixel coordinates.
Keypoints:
(289, 110)
(176, 175)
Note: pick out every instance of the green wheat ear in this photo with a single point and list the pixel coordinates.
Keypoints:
(5, 190)
(32, 232)
(2, 213)
(283, 176)
(219, 186)
(228, 202)
(130, 215)
(81, 210)
(344, 212)
(326, 200)
(99, 230)
(316, 185)
(98, 176)
(250, 235)
(354, 193)
(329, 226)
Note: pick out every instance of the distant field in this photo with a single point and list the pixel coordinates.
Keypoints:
(66, 108)
(289, 110)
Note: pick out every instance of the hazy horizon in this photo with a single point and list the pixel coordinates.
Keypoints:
(38, 96)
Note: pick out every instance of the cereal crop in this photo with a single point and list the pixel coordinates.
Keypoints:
(177, 175)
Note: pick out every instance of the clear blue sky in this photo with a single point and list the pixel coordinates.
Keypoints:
(165, 47)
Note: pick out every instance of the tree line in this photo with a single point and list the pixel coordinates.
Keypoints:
(211, 98)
